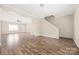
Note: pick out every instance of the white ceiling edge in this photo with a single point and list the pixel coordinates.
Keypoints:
(21, 9)
(10, 8)
(57, 10)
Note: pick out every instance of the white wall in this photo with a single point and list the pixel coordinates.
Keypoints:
(65, 25)
(0, 27)
(0, 32)
(34, 27)
(76, 27)
(49, 30)
(4, 28)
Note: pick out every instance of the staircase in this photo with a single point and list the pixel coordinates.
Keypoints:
(48, 29)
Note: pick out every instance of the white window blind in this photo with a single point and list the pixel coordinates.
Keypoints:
(13, 27)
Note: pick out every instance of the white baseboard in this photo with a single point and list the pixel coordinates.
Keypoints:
(76, 42)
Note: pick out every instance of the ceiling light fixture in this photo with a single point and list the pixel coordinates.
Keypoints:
(41, 5)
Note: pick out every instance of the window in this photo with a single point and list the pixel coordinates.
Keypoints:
(13, 27)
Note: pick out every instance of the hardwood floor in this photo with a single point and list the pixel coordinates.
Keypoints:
(25, 44)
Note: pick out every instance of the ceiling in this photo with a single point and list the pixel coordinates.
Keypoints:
(38, 11)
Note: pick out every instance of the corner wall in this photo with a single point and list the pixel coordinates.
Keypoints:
(65, 25)
(76, 27)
